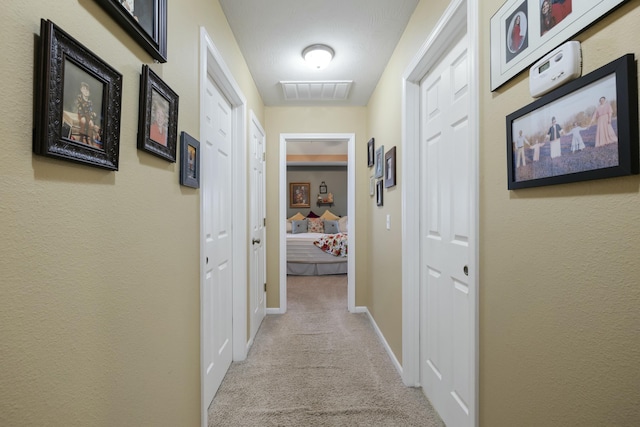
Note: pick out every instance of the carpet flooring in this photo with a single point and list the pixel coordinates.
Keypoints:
(318, 365)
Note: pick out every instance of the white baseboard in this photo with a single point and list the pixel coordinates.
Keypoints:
(360, 310)
(392, 356)
(274, 311)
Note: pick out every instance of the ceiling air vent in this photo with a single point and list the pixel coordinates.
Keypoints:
(317, 91)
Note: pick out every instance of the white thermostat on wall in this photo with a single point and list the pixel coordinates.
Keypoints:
(558, 67)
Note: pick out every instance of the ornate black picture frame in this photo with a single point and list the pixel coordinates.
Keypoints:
(390, 168)
(189, 161)
(144, 20)
(371, 156)
(158, 116)
(584, 130)
(77, 102)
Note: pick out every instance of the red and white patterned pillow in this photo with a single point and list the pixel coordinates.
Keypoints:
(316, 225)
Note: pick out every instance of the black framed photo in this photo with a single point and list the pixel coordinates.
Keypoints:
(189, 161)
(144, 20)
(78, 99)
(390, 168)
(379, 170)
(370, 153)
(379, 189)
(587, 129)
(158, 116)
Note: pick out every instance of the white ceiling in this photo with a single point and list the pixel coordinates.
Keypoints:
(272, 34)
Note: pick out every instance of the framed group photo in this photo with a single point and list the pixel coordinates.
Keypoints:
(584, 130)
(379, 162)
(158, 116)
(370, 153)
(144, 20)
(523, 31)
(78, 101)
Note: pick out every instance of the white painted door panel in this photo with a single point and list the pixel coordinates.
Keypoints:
(217, 235)
(445, 316)
(258, 301)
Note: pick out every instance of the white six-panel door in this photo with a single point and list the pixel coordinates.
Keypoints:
(446, 351)
(258, 301)
(216, 188)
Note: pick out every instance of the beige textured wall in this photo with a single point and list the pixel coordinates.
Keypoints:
(99, 271)
(313, 120)
(384, 256)
(559, 271)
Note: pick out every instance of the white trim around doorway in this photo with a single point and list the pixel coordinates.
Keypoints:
(212, 64)
(459, 14)
(350, 138)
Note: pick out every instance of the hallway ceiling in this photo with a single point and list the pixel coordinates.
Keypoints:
(272, 34)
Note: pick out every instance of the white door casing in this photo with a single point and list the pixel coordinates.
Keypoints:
(216, 167)
(460, 17)
(257, 215)
(213, 70)
(444, 289)
(350, 138)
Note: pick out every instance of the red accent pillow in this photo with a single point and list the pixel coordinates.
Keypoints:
(312, 214)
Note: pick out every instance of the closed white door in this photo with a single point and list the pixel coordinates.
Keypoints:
(258, 300)
(216, 194)
(446, 294)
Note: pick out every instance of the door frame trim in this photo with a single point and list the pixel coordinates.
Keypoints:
(459, 14)
(253, 120)
(350, 138)
(213, 64)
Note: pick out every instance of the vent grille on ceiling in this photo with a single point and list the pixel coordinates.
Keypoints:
(316, 91)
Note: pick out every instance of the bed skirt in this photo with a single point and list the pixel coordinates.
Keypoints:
(319, 269)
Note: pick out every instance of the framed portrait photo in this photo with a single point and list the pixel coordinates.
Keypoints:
(584, 130)
(379, 170)
(379, 193)
(189, 161)
(523, 31)
(390, 168)
(370, 152)
(299, 195)
(78, 99)
(144, 20)
(158, 116)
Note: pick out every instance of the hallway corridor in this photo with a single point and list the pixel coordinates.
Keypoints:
(318, 365)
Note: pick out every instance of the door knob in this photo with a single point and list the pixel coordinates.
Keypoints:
(254, 241)
(466, 270)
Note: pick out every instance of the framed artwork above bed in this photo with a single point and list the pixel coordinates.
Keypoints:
(299, 195)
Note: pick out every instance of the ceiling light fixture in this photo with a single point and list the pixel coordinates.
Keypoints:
(318, 56)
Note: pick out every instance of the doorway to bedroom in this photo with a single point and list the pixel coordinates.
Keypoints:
(317, 185)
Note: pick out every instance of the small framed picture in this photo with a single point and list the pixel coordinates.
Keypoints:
(299, 195)
(379, 162)
(379, 190)
(144, 20)
(158, 116)
(189, 161)
(586, 129)
(390, 168)
(372, 185)
(370, 153)
(78, 101)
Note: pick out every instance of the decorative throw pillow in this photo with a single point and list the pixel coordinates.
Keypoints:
(296, 217)
(299, 226)
(312, 214)
(289, 226)
(329, 215)
(331, 227)
(342, 223)
(316, 225)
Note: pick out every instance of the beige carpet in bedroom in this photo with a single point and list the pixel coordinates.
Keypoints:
(318, 365)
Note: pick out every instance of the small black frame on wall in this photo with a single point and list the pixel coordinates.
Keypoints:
(189, 161)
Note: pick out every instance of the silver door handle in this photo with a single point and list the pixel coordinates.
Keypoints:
(254, 241)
